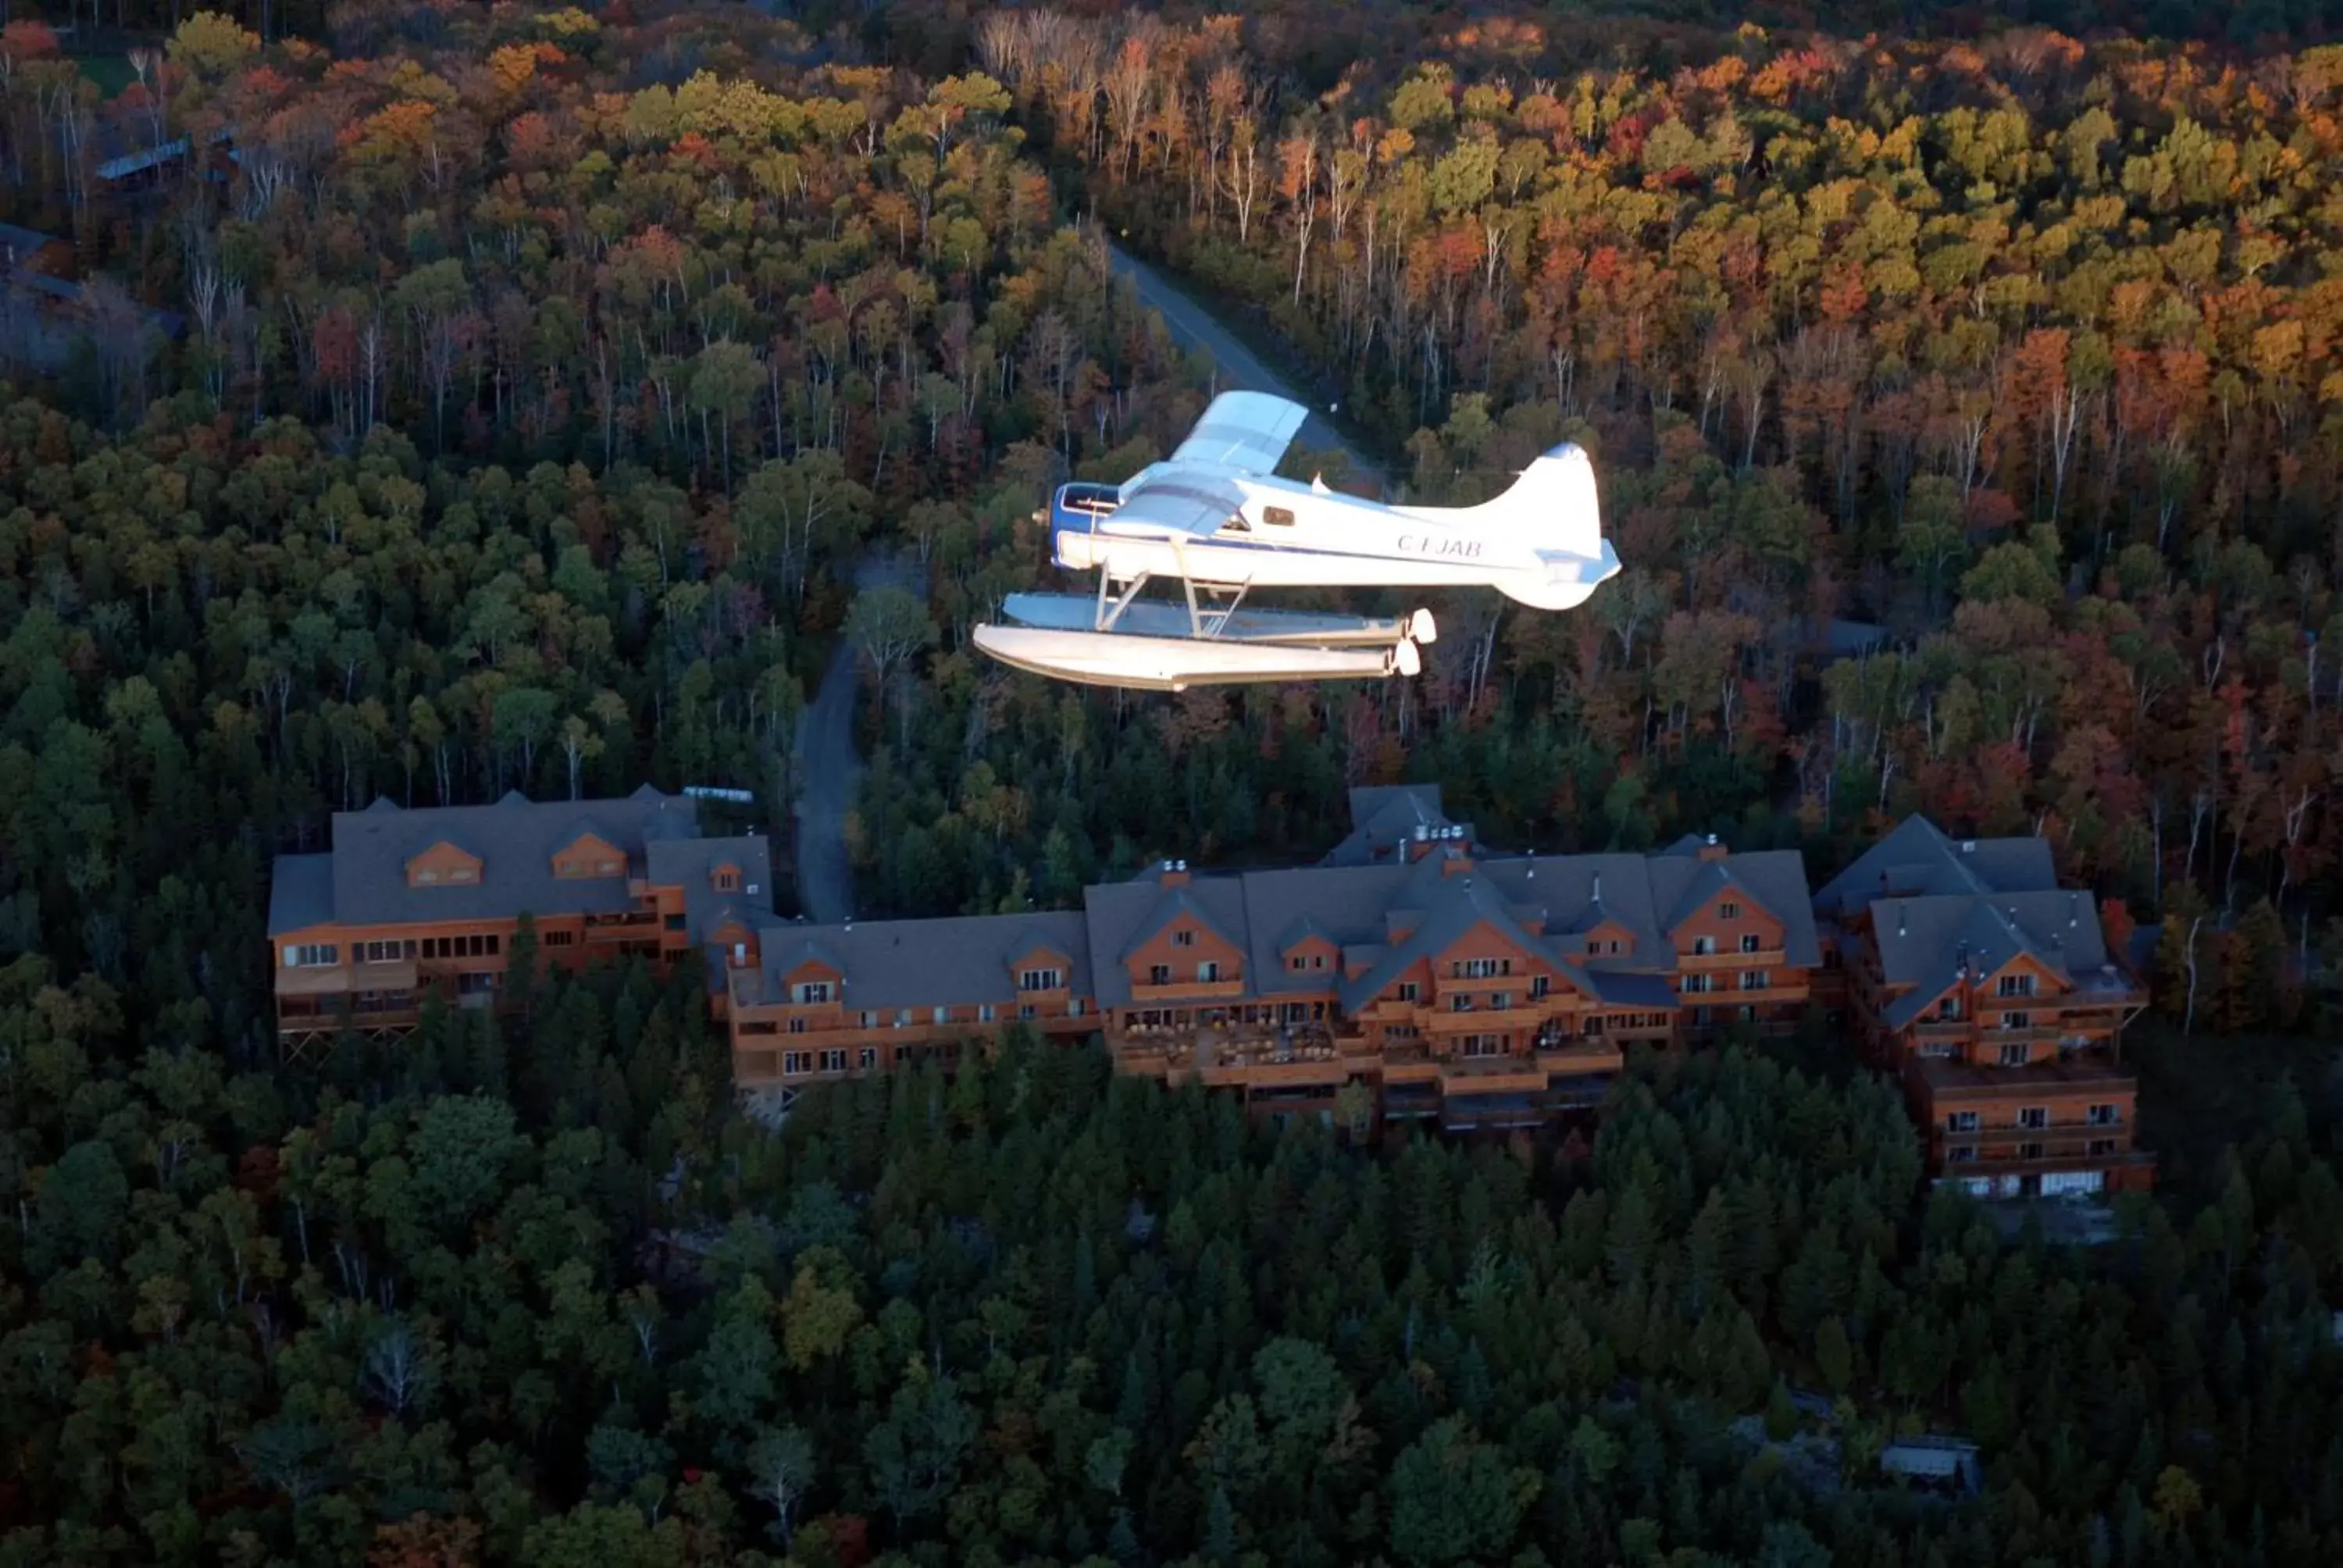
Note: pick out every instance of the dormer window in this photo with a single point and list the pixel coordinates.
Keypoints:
(1728, 912)
(588, 855)
(443, 864)
(1183, 939)
(727, 877)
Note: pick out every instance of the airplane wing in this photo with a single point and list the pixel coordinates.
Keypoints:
(1181, 502)
(1246, 431)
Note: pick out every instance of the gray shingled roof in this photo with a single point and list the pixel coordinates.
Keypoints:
(1383, 816)
(301, 894)
(1917, 858)
(1924, 941)
(362, 880)
(1119, 916)
(889, 964)
(690, 864)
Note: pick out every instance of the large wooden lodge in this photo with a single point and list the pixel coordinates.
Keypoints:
(1413, 975)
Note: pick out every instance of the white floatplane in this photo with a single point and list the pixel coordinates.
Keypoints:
(1216, 518)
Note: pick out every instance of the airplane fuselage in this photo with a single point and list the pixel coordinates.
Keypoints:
(1287, 534)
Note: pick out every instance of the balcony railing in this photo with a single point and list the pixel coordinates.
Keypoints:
(337, 980)
(1183, 990)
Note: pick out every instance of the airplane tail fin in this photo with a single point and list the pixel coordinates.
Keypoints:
(1554, 502)
(1553, 508)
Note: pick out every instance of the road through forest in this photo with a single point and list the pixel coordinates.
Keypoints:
(829, 770)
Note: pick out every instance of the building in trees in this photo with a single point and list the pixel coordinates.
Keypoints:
(411, 902)
(1991, 991)
(1479, 991)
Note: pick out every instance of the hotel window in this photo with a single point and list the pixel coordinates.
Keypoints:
(902, 1018)
(2015, 1055)
(2103, 1146)
(560, 938)
(2029, 1152)
(606, 868)
(1408, 990)
(1961, 1121)
(1317, 960)
(797, 1063)
(728, 880)
(1692, 985)
(1460, 1004)
(1749, 941)
(1183, 939)
(460, 873)
(1208, 972)
(2105, 1115)
(1158, 974)
(867, 1058)
(943, 1015)
(1482, 968)
(1482, 1045)
(984, 1013)
(1753, 980)
(870, 1018)
(2032, 1116)
(834, 1061)
(1074, 1007)
(2015, 985)
(1295, 963)
(797, 1026)
(1728, 912)
(2017, 1020)
(1501, 1001)
(1704, 946)
(1960, 1153)
(1540, 986)
(812, 991)
(312, 955)
(1039, 979)
(1025, 1012)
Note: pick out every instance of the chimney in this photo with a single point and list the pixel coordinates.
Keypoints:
(1712, 850)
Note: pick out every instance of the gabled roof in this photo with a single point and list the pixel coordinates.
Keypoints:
(1385, 816)
(690, 864)
(1030, 938)
(1924, 942)
(1915, 858)
(793, 956)
(886, 965)
(1119, 916)
(515, 840)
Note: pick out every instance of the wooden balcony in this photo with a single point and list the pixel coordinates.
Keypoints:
(1190, 990)
(2068, 1140)
(2049, 1164)
(1491, 1075)
(341, 980)
(1486, 1019)
(1580, 1058)
(1763, 958)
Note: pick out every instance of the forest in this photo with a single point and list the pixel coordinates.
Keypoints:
(533, 384)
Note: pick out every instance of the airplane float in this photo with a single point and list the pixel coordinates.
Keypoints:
(1215, 518)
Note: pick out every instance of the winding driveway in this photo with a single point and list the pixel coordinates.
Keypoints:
(1236, 366)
